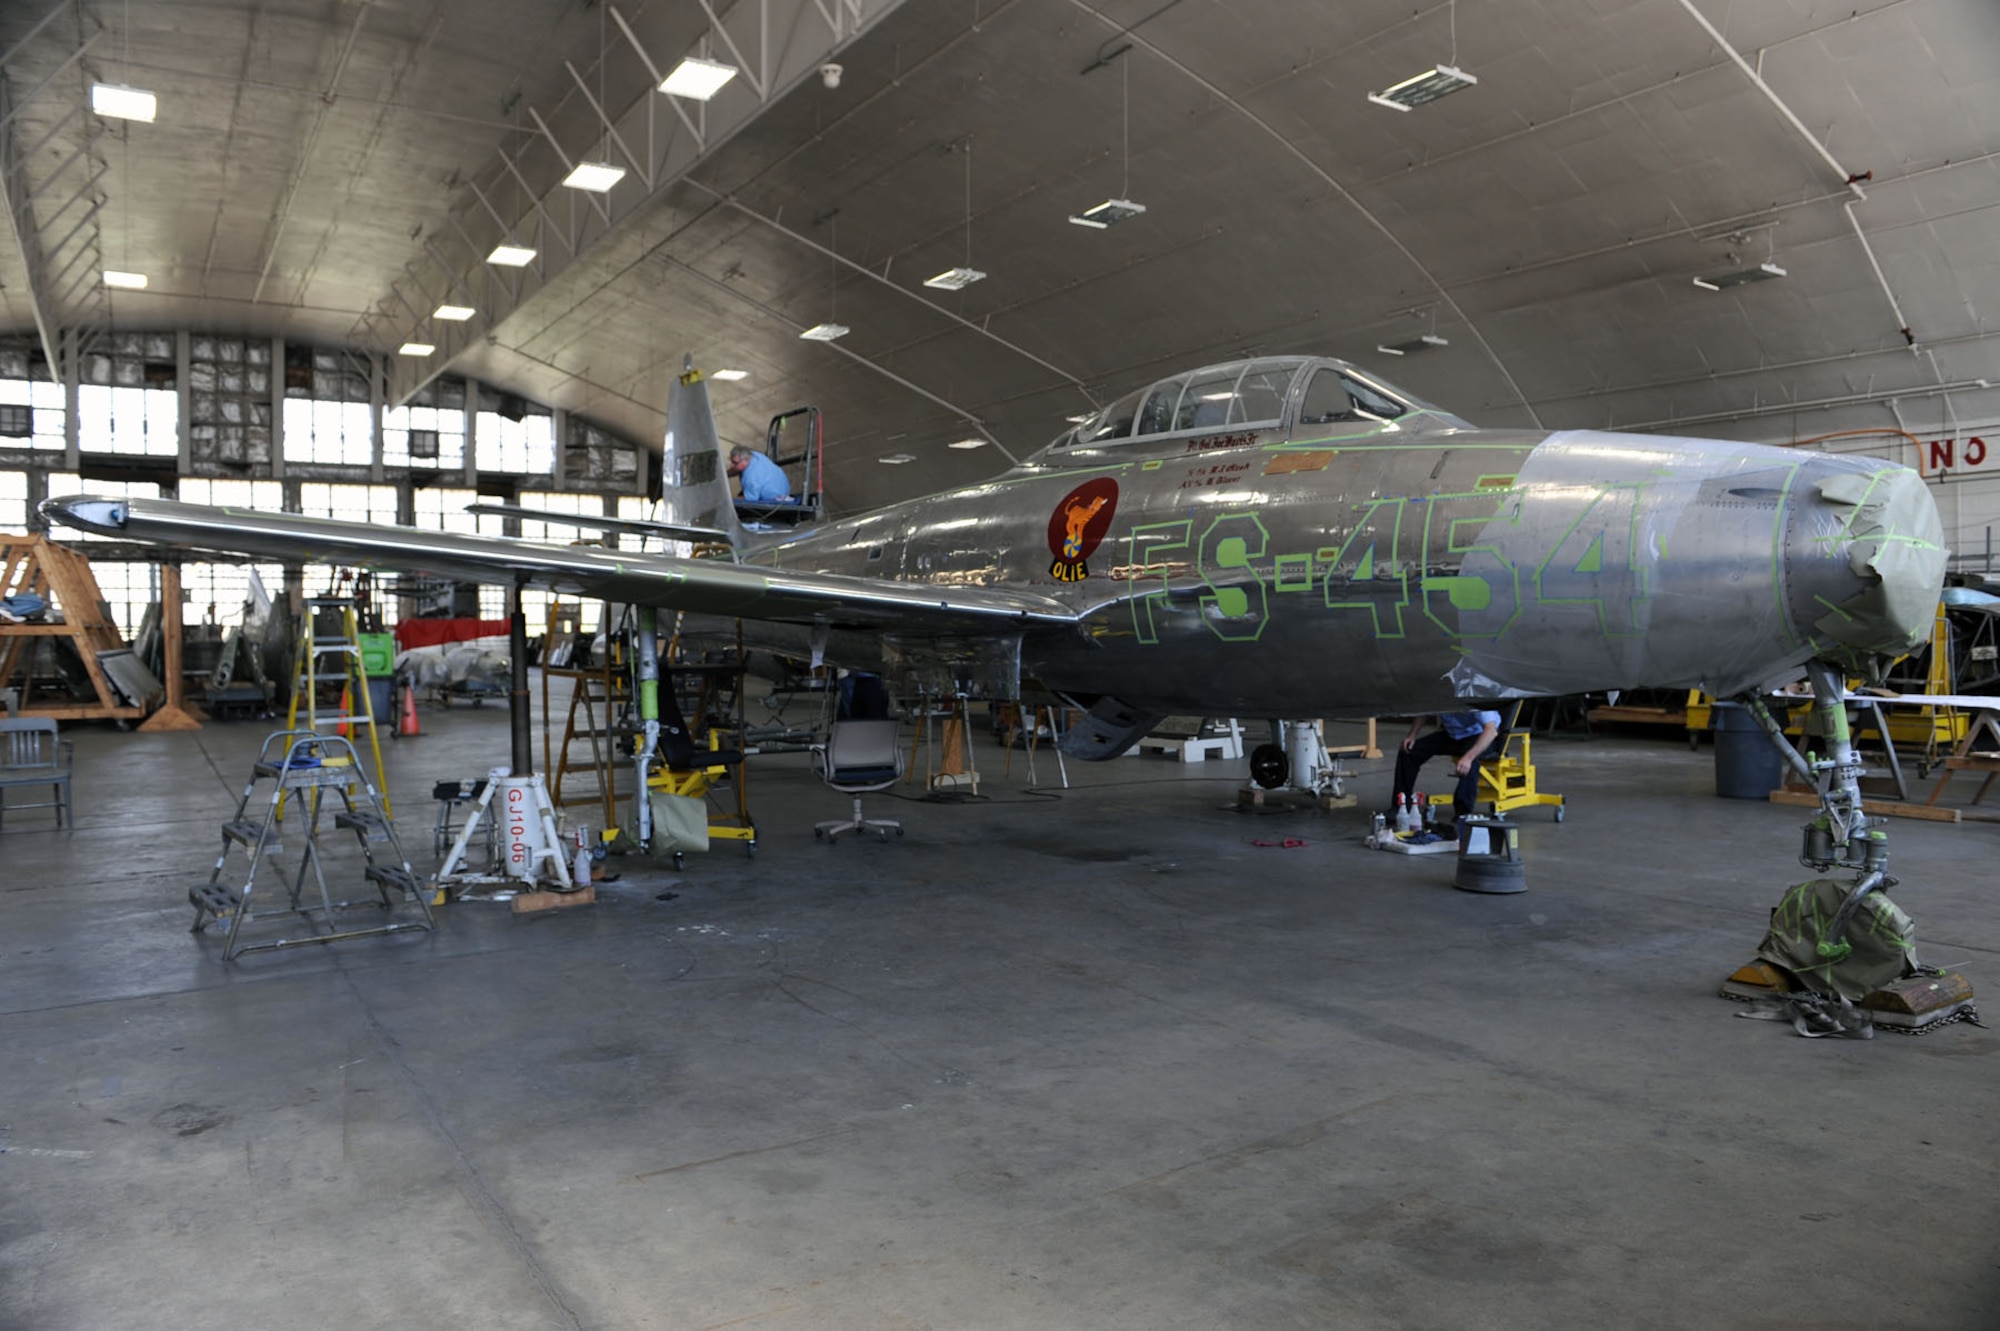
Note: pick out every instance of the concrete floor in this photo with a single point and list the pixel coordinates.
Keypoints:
(1088, 1058)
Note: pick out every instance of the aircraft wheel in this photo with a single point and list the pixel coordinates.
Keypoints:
(819, 833)
(1268, 766)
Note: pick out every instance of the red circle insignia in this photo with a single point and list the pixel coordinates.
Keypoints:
(1078, 524)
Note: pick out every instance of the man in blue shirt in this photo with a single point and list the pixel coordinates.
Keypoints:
(1465, 736)
(763, 480)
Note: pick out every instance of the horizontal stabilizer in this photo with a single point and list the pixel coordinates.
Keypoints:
(668, 531)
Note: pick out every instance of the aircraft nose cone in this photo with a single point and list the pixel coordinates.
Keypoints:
(1867, 550)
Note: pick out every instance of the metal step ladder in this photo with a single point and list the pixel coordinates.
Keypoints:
(329, 652)
(304, 765)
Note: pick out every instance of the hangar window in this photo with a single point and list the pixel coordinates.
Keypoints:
(13, 501)
(266, 495)
(519, 442)
(348, 503)
(1334, 396)
(317, 430)
(39, 403)
(550, 501)
(424, 435)
(128, 420)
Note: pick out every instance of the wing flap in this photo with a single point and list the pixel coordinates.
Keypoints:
(703, 586)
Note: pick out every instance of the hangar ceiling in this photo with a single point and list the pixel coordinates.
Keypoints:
(331, 170)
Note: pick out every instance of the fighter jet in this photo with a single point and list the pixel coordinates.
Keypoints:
(1284, 537)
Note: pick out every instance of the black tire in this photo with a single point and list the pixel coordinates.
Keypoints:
(1268, 766)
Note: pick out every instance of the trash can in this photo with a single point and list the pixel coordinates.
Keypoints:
(1747, 765)
(380, 694)
(378, 654)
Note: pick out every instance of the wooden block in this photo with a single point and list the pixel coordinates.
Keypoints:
(170, 717)
(528, 902)
(1887, 808)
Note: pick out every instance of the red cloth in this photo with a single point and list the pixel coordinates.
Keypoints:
(414, 633)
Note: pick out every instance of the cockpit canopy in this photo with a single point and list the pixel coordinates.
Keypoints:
(1261, 394)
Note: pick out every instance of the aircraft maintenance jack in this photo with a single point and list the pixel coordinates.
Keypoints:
(1839, 957)
(1294, 768)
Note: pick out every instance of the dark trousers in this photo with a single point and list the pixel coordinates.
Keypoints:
(1428, 746)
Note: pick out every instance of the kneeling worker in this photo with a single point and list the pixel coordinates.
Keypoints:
(1464, 735)
(763, 480)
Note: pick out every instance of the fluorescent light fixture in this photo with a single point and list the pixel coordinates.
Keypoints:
(509, 255)
(967, 444)
(1107, 214)
(1424, 343)
(730, 376)
(896, 459)
(1425, 87)
(117, 102)
(129, 281)
(697, 78)
(597, 177)
(955, 279)
(824, 332)
(1763, 272)
(415, 349)
(457, 314)
(1077, 420)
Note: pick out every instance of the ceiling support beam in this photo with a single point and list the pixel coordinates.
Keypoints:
(661, 159)
(637, 161)
(1851, 179)
(327, 100)
(968, 325)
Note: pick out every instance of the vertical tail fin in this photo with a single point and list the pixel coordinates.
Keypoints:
(694, 482)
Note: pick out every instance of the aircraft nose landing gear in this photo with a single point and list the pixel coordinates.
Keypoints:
(1295, 768)
(1840, 958)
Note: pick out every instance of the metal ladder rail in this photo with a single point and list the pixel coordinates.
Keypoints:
(290, 774)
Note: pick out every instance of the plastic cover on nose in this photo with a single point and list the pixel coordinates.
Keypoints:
(1896, 546)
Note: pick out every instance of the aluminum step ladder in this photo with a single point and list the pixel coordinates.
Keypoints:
(304, 765)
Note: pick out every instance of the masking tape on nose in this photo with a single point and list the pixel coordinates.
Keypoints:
(1896, 545)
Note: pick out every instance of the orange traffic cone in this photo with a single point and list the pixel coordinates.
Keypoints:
(346, 709)
(406, 722)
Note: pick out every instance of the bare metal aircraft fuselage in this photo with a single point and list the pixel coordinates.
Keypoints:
(1279, 537)
(1369, 567)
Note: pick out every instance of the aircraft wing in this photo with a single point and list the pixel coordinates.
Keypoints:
(704, 586)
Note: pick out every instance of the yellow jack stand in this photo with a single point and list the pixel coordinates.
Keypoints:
(1507, 780)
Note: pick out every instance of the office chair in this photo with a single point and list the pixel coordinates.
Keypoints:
(859, 756)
